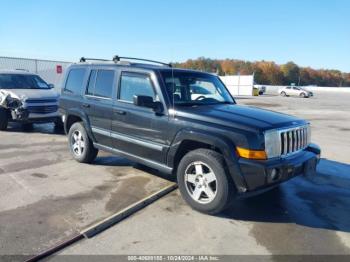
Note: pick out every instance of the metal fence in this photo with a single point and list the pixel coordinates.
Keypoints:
(51, 71)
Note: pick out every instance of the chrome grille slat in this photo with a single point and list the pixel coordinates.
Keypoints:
(301, 138)
(293, 140)
(290, 142)
(285, 144)
(298, 139)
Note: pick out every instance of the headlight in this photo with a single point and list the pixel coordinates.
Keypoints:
(272, 143)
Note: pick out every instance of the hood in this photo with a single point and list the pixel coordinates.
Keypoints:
(24, 94)
(242, 117)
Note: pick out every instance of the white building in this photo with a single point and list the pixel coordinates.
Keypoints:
(51, 71)
(239, 85)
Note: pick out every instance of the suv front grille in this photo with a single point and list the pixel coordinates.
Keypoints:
(294, 139)
(42, 109)
(40, 101)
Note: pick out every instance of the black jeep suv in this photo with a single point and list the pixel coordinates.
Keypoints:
(185, 123)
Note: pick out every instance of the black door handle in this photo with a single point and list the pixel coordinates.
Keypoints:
(85, 105)
(120, 112)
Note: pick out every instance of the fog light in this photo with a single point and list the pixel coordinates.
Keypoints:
(273, 175)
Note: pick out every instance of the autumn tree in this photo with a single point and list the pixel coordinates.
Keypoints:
(270, 73)
(291, 73)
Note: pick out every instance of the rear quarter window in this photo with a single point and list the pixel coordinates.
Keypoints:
(75, 81)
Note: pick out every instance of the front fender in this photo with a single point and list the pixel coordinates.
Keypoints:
(227, 148)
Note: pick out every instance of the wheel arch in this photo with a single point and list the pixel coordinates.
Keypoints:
(188, 140)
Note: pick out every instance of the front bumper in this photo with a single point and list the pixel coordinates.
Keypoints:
(25, 117)
(258, 174)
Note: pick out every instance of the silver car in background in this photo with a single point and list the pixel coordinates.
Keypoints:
(295, 91)
(26, 98)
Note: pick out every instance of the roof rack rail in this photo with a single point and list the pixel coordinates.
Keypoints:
(116, 59)
(84, 59)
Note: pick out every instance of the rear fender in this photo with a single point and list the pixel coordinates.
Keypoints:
(86, 122)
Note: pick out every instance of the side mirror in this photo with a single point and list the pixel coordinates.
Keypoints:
(51, 86)
(147, 101)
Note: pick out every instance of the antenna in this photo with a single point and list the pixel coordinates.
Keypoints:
(116, 59)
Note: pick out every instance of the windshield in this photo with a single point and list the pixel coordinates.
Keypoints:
(21, 81)
(189, 88)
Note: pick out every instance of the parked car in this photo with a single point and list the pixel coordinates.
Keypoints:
(295, 91)
(217, 149)
(262, 89)
(26, 98)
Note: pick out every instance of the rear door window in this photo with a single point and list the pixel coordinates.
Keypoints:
(75, 80)
(91, 85)
(101, 83)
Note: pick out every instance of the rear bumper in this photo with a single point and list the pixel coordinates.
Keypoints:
(258, 174)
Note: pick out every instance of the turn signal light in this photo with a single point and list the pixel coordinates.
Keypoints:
(251, 154)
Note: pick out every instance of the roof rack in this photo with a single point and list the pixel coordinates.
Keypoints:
(116, 59)
(84, 59)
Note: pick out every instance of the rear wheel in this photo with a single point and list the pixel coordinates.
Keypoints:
(283, 93)
(204, 182)
(80, 145)
(3, 119)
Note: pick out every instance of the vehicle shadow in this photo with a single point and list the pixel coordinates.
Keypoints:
(47, 128)
(105, 159)
(322, 201)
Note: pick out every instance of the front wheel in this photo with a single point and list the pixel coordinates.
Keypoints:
(80, 145)
(302, 95)
(204, 182)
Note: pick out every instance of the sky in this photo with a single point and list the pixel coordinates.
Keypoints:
(312, 33)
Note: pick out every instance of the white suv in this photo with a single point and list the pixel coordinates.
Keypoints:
(26, 98)
(295, 91)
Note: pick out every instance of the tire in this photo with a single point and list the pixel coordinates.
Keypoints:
(221, 190)
(283, 94)
(302, 95)
(3, 119)
(80, 145)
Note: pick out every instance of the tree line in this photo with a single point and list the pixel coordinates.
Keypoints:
(270, 73)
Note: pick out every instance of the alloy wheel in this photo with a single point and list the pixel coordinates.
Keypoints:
(201, 182)
(78, 143)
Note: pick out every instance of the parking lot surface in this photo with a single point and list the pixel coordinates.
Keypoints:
(47, 197)
(303, 216)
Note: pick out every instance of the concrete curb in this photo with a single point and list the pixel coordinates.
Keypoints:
(124, 213)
